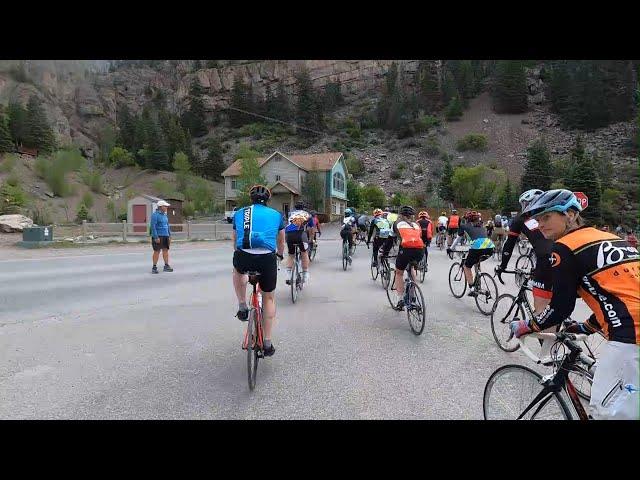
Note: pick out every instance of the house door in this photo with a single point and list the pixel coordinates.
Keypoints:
(285, 209)
(139, 216)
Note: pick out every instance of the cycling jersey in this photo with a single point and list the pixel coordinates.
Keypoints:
(454, 221)
(605, 271)
(381, 227)
(427, 229)
(478, 235)
(348, 222)
(442, 221)
(410, 234)
(299, 220)
(257, 228)
(529, 227)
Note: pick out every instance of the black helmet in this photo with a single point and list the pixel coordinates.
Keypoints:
(299, 205)
(407, 211)
(259, 194)
(559, 200)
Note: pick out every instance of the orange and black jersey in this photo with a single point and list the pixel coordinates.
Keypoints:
(529, 227)
(605, 272)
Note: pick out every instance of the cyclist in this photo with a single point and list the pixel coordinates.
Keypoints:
(258, 232)
(604, 270)
(452, 225)
(363, 223)
(489, 226)
(296, 234)
(427, 231)
(381, 227)
(411, 248)
(480, 245)
(348, 229)
(442, 224)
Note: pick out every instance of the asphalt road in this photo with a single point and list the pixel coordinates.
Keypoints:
(96, 336)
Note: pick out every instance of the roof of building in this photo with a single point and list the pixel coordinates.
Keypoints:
(285, 185)
(315, 161)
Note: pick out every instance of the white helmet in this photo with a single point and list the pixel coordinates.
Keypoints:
(529, 196)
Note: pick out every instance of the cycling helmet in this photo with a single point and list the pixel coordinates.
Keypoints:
(444, 214)
(407, 211)
(377, 212)
(348, 211)
(529, 196)
(259, 194)
(453, 210)
(423, 214)
(559, 200)
(472, 216)
(299, 205)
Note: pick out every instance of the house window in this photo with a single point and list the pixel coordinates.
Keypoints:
(277, 178)
(338, 182)
(234, 184)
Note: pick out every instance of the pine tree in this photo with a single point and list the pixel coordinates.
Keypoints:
(83, 213)
(586, 105)
(462, 72)
(127, 129)
(240, 99)
(508, 199)
(212, 165)
(583, 177)
(313, 189)
(6, 144)
(283, 108)
(559, 87)
(448, 88)
(454, 109)
(537, 171)
(194, 119)
(158, 157)
(17, 117)
(332, 96)
(309, 111)
(38, 132)
(428, 91)
(445, 190)
(509, 89)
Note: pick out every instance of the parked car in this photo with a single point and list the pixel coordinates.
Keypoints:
(228, 215)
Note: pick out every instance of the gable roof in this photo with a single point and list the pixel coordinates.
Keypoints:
(322, 162)
(286, 186)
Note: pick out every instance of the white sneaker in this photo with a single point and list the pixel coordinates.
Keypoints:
(287, 276)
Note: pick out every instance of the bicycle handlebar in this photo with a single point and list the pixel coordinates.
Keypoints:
(515, 272)
(567, 339)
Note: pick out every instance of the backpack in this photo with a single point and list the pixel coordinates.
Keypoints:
(410, 237)
(384, 227)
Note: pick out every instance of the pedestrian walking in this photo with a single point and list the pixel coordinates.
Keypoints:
(160, 236)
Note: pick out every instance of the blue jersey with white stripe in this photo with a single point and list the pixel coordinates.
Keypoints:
(257, 226)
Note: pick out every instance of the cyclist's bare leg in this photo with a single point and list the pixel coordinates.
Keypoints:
(240, 286)
(289, 263)
(468, 274)
(399, 281)
(304, 256)
(269, 312)
(539, 304)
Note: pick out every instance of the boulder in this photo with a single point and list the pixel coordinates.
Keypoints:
(14, 223)
(407, 182)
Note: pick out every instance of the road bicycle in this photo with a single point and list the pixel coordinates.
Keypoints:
(497, 251)
(524, 247)
(525, 263)
(423, 267)
(385, 270)
(375, 269)
(361, 237)
(295, 280)
(440, 240)
(253, 341)
(413, 298)
(483, 284)
(313, 250)
(508, 307)
(345, 253)
(516, 392)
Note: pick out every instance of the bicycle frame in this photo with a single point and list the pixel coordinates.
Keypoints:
(256, 305)
(559, 380)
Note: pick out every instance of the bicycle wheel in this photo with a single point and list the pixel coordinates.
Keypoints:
(511, 388)
(504, 311)
(457, 281)
(252, 352)
(487, 294)
(345, 254)
(294, 281)
(416, 309)
(524, 263)
(385, 274)
(422, 271)
(375, 271)
(522, 247)
(582, 381)
(392, 294)
(313, 251)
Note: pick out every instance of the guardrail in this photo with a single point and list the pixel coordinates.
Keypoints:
(130, 231)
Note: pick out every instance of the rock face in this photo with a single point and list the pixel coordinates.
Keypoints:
(14, 223)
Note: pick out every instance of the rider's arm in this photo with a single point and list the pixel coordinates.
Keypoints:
(281, 242)
(565, 285)
(372, 227)
(508, 246)
(234, 237)
(461, 231)
(154, 232)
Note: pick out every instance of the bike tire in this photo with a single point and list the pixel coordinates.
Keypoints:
(312, 252)
(392, 295)
(524, 263)
(529, 382)
(456, 271)
(504, 310)
(582, 382)
(417, 310)
(252, 353)
(345, 254)
(294, 282)
(385, 274)
(423, 270)
(375, 271)
(522, 248)
(485, 302)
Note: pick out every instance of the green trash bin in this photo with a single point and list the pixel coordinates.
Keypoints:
(37, 234)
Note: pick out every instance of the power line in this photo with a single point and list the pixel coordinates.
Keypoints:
(274, 120)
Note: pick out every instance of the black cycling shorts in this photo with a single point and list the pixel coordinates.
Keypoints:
(265, 264)
(163, 244)
(408, 255)
(542, 278)
(452, 231)
(294, 238)
(474, 256)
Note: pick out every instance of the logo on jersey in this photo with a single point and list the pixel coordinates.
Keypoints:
(554, 259)
(609, 254)
(531, 224)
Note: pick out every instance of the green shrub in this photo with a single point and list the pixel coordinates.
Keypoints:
(83, 214)
(12, 199)
(121, 157)
(41, 213)
(454, 109)
(188, 209)
(13, 180)
(42, 166)
(426, 122)
(163, 188)
(355, 166)
(92, 179)
(87, 199)
(401, 166)
(473, 141)
(431, 146)
(395, 174)
(8, 163)
(418, 169)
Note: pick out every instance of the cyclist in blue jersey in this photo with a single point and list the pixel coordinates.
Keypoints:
(296, 234)
(258, 237)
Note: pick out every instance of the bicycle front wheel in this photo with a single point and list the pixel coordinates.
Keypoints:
(312, 252)
(252, 349)
(422, 270)
(457, 281)
(522, 248)
(385, 275)
(524, 263)
(345, 254)
(510, 390)
(487, 294)
(504, 311)
(416, 309)
(392, 294)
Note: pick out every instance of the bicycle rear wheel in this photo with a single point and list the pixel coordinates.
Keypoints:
(312, 251)
(252, 346)
(385, 274)
(524, 263)
(392, 294)
(487, 294)
(511, 388)
(457, 281)
(416, 309)
(294, 281)
(582, 381)
(504, 311)
(375, 271)
(523, 247)
(345, 255)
